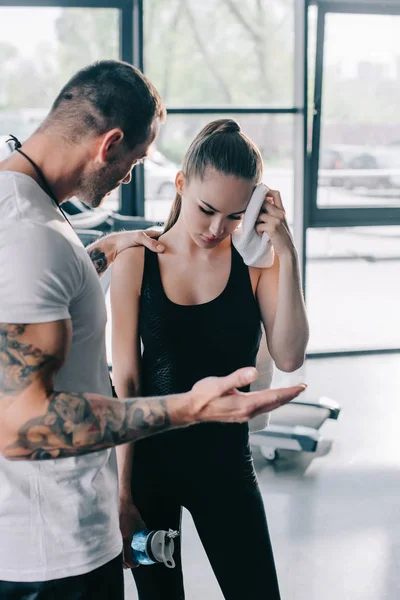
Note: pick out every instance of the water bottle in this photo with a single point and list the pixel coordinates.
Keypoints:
(150, 547)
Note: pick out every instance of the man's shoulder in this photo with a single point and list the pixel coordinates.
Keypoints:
(9, 204)
(43, 236)
(21, 198)
(39, 251)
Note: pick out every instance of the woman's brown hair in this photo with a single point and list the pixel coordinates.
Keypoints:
(220, 145)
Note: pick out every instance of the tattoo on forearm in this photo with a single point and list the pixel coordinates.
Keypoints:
(73, 424)
(80, 423)
(99, 259)
(19, 362)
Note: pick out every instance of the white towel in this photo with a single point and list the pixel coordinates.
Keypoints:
(256, 250)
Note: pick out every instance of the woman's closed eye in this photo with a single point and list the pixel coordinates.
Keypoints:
(211, 212)
(206, 212)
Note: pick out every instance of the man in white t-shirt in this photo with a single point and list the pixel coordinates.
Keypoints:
(59, 530)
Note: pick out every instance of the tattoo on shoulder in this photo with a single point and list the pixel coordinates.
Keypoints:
(99, 260)
(19, 361)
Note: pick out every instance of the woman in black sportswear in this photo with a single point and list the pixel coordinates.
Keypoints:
(198, 310)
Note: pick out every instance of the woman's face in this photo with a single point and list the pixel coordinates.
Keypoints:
(213, 207)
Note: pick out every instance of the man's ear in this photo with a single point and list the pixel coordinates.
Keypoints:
(180, 182)
(110, 145)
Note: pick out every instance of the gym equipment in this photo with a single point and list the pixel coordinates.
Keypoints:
(100, 219)
(294, 426)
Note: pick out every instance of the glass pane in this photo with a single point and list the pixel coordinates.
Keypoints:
(359, 164)
(40, 49)
(221, 52)
(272, 134)
(353, 288)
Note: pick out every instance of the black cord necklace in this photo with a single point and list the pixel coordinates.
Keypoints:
(44, 183)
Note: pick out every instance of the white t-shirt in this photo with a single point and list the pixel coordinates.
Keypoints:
(58, 518)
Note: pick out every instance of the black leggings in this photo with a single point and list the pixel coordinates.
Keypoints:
(104, 583)
(215, 480)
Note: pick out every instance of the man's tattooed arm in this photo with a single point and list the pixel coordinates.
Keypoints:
(99, 260)
(104, 251)
(19, 361)
(83, 423)
(38, 423)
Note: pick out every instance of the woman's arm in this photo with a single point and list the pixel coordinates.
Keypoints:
(280, 298)
(279, 291)
(126, 281)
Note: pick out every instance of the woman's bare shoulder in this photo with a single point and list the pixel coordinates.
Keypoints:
(127, 269)
(131, 256)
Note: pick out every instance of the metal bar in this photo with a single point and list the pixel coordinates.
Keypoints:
(138, 34)
(373, 7)
(349, 353)
(63, 3)
(306, 182)
(198, 110)
(369, 258)
(126, 32)
(316, 127)
(300, 131)
(351, 217)
(346, 172)
(127, 202)
(137, 186)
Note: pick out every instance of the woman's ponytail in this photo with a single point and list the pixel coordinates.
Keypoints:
(175, 212)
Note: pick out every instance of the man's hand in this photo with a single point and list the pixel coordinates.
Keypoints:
(104, 251)
(218, 399)
(129, 239)
(130, 522)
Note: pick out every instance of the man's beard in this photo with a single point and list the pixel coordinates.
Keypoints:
(93, 188)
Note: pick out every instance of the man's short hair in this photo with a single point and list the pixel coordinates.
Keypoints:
(105, 95)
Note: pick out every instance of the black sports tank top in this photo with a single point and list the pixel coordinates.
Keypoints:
(183, 344)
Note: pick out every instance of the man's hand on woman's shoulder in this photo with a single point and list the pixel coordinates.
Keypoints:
(104, 251)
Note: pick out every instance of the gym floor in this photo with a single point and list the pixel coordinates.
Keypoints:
(335, 519)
